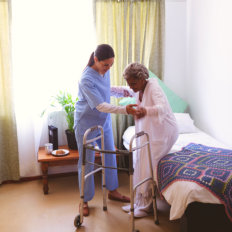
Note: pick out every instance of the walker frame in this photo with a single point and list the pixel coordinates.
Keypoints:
(87, 144)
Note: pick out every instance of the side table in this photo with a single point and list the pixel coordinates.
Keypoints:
(50, 160)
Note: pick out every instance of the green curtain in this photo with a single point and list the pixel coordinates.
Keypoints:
(135, 29)
(9, 161)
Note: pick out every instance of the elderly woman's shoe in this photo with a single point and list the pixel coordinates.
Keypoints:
(127, 208)
(138, 213)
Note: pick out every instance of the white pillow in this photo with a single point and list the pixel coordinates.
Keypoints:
(185, 123)
(127, 135)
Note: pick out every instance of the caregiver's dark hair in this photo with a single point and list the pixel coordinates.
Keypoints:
(102, 52)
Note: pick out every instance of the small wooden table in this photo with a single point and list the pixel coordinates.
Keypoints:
(50, 160)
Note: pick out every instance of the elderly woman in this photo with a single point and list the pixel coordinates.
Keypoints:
(154, 116)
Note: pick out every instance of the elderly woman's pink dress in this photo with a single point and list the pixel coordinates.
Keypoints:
(160, 124)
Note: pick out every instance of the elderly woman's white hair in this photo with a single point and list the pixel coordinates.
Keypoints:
(136, 70)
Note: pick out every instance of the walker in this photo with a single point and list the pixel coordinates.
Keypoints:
(87, 144)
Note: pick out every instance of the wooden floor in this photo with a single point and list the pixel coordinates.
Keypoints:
(24, 208)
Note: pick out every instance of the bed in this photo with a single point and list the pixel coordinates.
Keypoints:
(189, 199)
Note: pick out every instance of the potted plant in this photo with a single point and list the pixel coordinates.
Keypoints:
(67, 104)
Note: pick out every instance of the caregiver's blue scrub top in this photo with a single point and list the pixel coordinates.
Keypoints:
(94, 89)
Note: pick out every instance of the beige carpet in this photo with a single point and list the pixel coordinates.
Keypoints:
(24, 208)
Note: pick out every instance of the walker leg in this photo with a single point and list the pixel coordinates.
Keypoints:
(153, 185)
(132, 223)
(103, 175)
(79, 218)
(156, 220)
(104, 198)
(82, 192)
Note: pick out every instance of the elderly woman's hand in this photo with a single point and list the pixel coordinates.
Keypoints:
(140, 112)
(130, 109)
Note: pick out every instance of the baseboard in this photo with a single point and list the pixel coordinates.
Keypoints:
(31, 178)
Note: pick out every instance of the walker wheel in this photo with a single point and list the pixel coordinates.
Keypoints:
(77, 222)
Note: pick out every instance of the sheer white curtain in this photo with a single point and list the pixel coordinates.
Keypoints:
(51, 44)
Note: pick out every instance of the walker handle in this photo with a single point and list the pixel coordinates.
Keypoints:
(94, 128)
(141, 133)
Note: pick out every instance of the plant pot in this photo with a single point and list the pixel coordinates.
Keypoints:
(72, 143)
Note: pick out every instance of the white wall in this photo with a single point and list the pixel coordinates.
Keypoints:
(207, 80)
(175, 46)
(209, 66)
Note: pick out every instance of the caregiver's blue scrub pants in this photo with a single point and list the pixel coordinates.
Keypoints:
(110, 160)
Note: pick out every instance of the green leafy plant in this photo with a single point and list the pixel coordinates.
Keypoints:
(68, 104)
(64, 101)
